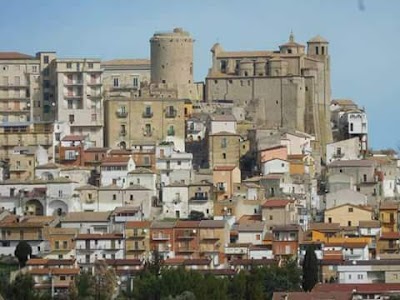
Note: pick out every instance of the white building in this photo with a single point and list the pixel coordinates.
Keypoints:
(114, 170)
(196, 129)
(92, 247)
(275, 165)
(88, 222)
(251, 233)
(222, 123)
(173, 166)
(143, 177)
(175, 201)
(79, 97)
(349, 149)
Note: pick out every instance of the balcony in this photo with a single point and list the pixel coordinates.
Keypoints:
(163, 248)
(199, 197)
(94, 82)
(186, 235)
(74, 82)
(147, 133)
(186, 249)
(220, 188)
(160, 237)
(121, 113)
(18, 168)
(139, 248)
(171, 113)
(147, 114)
(137, 236)
(338, 155)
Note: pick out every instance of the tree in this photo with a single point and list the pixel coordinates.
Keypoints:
(310, 269)
(196, 215)
(23, 251)
(21, 288)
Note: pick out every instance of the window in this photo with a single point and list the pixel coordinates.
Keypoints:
(359, 276)
(351, 127)
(46, 72)
(34, 69)
(116, 82)
(147, 130)
(271, 217)
(131, 197)
(223, 66)
(90, 65)
(70, 104)
(57, 245)
(224, 155)
(171, 130)
(147, 112)
(135, 82)
(70, 155)
(258, 237)
(339, 151)
(329, 220)
(322, 50)
(71, 118)
(62, 277)
(349, 223)
(289, 51)
(46, 59)
(365, 177)
(224, 143)
(69, 65)
(114, 197)
(350, 209)
(179, 162)
(146, 160)
(316, 50)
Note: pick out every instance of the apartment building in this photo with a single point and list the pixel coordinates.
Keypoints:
(124, 77)
(137, 239)
(130, 121)
(33, 230)
(91, 247)
(79, 96)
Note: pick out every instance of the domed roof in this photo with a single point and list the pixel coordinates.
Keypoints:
(318, 39)
(291, 42)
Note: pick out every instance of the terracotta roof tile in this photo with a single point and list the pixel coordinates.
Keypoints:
(276, 203)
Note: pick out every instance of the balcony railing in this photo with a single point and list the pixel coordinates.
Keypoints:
(147, 114)
(160, 236)
(338, 155)
(171, 113)
(121, 113)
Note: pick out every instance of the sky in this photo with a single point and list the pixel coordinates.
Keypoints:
(364, 38)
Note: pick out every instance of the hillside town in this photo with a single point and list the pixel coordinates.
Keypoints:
(112, 162)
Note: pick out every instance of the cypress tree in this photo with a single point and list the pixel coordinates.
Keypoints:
(310, 269)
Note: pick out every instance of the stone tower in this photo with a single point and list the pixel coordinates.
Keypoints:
(172, 62)
(317, 48)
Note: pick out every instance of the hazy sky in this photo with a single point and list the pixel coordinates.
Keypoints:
(364, 38)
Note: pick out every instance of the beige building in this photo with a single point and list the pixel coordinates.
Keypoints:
(124, 77)
(348, 214)
(25, 93)
(132, 121)
(224, 149)
(79, 96)
(22, 163)
(277, 212)
(286, 88)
